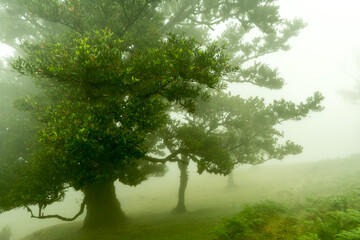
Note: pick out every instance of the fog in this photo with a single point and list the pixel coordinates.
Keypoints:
(325, 57)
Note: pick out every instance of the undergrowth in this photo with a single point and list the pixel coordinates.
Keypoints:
(324, 218)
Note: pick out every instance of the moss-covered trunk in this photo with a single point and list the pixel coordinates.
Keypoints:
(102, 207)
(183, 166)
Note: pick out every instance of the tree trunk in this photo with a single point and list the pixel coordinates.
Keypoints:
(231, 183)
(102, 207)
(183, 166)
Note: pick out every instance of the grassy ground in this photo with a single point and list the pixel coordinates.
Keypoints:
(148, 206)
(195, 225)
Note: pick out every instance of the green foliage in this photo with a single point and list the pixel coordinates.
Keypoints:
(349, 235)
(325, 218)
(266, 220)
(229, 130)
(327, 225)
(309, 236)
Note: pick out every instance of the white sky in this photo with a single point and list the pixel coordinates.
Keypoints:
(325, 57)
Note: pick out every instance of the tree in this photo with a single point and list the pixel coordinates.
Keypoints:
(102, 94)
(254, 33)
(108, 82)
(229, 131)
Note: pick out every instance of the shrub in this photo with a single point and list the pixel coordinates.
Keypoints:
(330, 216)
(327, 218)
(265, 220)
(353, 234)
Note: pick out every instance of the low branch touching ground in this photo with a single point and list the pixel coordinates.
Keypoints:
(40, 216)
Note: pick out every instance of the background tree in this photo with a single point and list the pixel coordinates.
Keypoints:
(229, 131)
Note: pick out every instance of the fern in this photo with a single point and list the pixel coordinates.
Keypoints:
(353, 234)
(327, 218)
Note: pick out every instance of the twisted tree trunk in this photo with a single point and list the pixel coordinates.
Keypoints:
(102, 207)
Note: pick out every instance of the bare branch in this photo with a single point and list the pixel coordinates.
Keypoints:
(181, 15)
(124, 11)
(41, 216)
(256, 56)
(128, 25)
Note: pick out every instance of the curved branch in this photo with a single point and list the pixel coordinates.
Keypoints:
(132, 21)
(183, 13)
(170, 158)
(41, 216)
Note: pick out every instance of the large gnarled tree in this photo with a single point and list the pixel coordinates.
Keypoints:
(106, 86)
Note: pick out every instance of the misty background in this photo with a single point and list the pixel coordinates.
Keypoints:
(325, 57)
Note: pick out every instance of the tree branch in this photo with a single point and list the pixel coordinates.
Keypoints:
(256, 56)
(193, 158)
(260, 130)
(124, 11)
(41, 216)
(128, 25)
(170, 158)
(181, 15)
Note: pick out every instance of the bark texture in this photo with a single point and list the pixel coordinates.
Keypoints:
(183, 166)
(102, 207)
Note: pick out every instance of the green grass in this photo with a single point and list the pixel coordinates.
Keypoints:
(306, 191)
(195, 225)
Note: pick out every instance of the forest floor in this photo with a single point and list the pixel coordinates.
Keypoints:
(208, 201)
